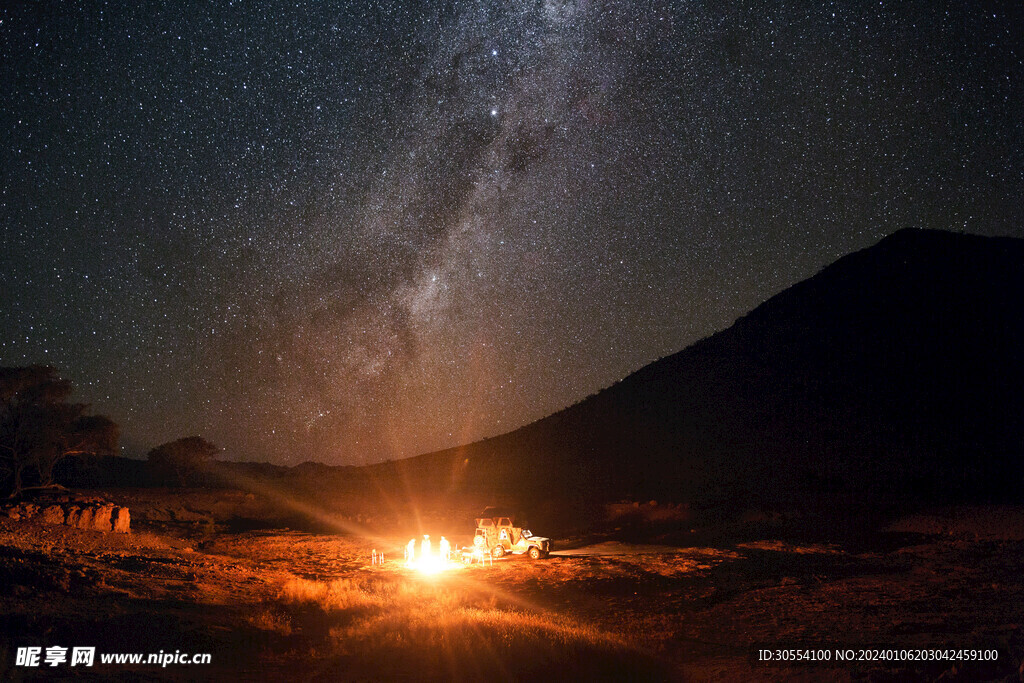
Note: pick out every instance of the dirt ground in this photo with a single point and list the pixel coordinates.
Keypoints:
(281, 604)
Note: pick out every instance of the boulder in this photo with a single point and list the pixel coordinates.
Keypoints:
(121, 520)
(53, 514)
(85, 519)
(102, 517)
(74, 516)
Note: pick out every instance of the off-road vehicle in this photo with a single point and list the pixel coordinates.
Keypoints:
(497, 534)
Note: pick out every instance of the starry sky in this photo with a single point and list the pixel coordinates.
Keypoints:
(361, 230)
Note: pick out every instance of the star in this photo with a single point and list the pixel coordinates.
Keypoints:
(340, 232)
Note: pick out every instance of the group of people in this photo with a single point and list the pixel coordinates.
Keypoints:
(444, 549)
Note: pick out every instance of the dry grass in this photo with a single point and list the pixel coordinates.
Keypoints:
(400, 626)
(272, 620)
(340, 594)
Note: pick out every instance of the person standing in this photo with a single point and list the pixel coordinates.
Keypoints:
(445, 549)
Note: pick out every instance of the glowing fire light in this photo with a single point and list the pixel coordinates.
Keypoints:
(430, 565)
(427, 561)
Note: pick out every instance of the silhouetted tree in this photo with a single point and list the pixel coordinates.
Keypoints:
(39, 428)
(180, 460)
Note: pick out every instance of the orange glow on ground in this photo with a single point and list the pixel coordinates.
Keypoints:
(432, 565)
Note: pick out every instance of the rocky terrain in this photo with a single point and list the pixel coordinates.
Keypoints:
(81, 512)
(284, 605)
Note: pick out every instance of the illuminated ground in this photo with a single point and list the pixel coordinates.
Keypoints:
(291, 605)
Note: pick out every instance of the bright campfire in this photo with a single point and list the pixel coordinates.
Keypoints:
(425, 559)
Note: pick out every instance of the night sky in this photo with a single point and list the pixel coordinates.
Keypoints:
(352, 231)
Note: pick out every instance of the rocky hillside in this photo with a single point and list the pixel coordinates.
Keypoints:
(896, 373)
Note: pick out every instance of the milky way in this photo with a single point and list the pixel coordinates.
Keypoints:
(354, 231)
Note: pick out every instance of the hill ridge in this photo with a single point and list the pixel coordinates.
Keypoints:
(825, 387)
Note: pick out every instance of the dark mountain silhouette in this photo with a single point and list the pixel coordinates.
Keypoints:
(893, 377)
(896, 373)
